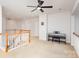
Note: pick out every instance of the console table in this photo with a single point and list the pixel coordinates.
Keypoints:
(58, 37)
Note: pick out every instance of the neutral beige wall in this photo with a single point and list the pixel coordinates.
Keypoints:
(31, 24)
(28, 24)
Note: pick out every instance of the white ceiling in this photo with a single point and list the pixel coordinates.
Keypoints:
(17, 8)
(76, 10)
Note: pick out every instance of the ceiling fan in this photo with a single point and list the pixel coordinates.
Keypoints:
(39, 6)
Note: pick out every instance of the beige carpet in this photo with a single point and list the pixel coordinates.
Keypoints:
(41, 49)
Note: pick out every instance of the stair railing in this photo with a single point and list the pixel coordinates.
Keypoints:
(15, 39)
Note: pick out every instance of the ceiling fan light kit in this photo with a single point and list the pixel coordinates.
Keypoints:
(39, 6)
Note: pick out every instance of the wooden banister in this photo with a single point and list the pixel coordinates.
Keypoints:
(16, 34)
(20, 32)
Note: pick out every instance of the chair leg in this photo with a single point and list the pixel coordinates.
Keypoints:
(59, 40)
(48, 39)
(65, 41)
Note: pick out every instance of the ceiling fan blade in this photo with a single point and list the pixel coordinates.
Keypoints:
(41, 10)
(41, 2)
(31, 6)
(34, 9)
(47, 7)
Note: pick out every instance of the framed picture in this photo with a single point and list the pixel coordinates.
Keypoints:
(42, 23)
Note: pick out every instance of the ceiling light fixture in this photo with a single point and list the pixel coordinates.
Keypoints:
(38, 8)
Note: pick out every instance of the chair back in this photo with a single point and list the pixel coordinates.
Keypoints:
(56, 32)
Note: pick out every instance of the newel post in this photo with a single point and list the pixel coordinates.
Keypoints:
(6, 49)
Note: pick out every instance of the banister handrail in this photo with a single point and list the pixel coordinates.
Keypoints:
(21, 31)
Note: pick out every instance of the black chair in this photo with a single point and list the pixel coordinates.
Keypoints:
(56, 32)
(56, 36)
